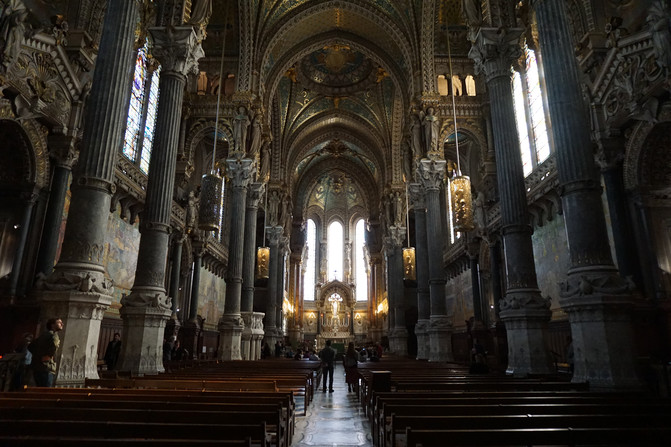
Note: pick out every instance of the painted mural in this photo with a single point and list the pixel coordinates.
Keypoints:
(460, 299)
(212, 294)
(552, 260)
(121, 249)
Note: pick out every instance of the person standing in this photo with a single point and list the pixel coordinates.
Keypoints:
(350, 362)
(43, 350)
(328, 358)
(112, 351)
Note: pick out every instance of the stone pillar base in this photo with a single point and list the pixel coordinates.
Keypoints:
(602, 341)
(398, 341)
(440, 339)
(142, 343)
(172, 327)
(527, 347)
(190, 337)
(246, 348)
(295, 335)
(81, 313)
(230, 333)
(271, 337)
(422, 333)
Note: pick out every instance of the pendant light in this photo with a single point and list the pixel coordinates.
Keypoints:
(263, 253)
(409, 272)
(211, 184)
(460, 185)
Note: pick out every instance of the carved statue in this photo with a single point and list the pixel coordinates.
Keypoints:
(201, 10)
(398, 208)
(660, 27)
(348, 262)
(12, 29)
(257, 127)
(471, 9)
(431, 130)
(416, 135)
(264, 172)
(240, 126)
(191, 211)
(457, 86)
(479, 214)
(273, 207)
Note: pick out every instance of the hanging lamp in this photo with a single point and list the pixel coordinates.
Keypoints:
(409, 272)
(211, 184)
(460, 185)
(263, 253)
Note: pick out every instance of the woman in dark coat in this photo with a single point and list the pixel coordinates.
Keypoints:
(350, 362)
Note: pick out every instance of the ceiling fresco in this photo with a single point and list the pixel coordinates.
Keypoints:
(336, 190)
(335, 148)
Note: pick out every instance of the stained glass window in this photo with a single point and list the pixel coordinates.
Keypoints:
(360, 263)
(530, 114)
(311, 268)
(141, 120)
(335, 251)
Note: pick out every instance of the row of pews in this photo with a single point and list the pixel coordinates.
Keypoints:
(227, 404)
(441, 405)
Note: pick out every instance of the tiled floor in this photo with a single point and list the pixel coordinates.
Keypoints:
(333, 419)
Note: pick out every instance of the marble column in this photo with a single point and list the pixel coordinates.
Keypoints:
(29, 200)
(77, 290)
(398, 333)
(284, 253)
(475, 286)
(239, 172)
(173, 325)
(247, 347)
(192, 327)
(431, 174)
(524, 311)
(271, 332)
(64, 155)
(146, 310)
(495, 267)
(295, 267)
(417, 198)
(597, 300)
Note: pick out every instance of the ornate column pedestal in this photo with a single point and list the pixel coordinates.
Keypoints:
(144, 328)
(252, 334)
(440, 339)
(398, 333)
(230, 332)
(423, 339)
(191, 331)
(81, 313)
(398, 341)
(526, 342)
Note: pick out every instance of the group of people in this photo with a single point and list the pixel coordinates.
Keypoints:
(39, 362)
(173, 350)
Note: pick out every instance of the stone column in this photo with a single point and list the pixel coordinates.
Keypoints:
(254, 194)
(146, 310)
(239, 171)
(597, 300)
(295, 330)
(523, 310)
(398, 333)
(284, 252)
(65, 155)
(29, 199)
(417, 198)
(77, 290)
(431, 174)
(271, 333)
(495, 267)
(192, 327)
(475, 287)
(173, 325)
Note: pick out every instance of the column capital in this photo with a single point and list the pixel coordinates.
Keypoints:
(395, 238)
(176, 48)
(431, 173)
(417, 196)
(274, 234)
(495, 50)
(610, 152)
(255, 192)
(239, 171)
(63, 149)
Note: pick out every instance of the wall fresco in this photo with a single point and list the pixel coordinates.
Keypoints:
(212, 296)
(552, 259)
(460, 299)
(122, 245)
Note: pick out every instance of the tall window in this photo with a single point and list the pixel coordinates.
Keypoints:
(360, 263)
(335, 251)
(530, 114)
(141, 120)
(311, 268)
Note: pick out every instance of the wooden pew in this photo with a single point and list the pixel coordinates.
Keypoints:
(69, 441)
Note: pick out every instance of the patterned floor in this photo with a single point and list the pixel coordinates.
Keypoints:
(333, 419)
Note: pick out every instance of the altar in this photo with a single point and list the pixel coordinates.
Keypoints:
(335, 301)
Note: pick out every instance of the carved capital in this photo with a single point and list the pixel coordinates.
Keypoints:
(239, 171)
(63, 150)
(275, 234)
(610, 153)
(254, 194)
(417, 196)
(396, 236)
(495, 50)
(431, 173)
(177, 49)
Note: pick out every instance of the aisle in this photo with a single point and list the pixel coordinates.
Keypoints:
(334, 419)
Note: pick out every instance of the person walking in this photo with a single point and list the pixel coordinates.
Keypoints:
(350, 362)
(43, 351)
(328, 358)
(112, 351)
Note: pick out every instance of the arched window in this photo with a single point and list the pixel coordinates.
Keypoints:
(360, 276)
(141, 119)
(530, 114)
(335, 251)
(311, 268)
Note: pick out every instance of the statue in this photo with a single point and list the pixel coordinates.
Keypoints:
(431, 130)
(191, 211)
(255, 144)
(416, 135)
(264, 172)
(273, 208)
(240, 126)
(201, 10)
(398, 208)
(479, 214)
(348, 262)
(457, 86)
(12, 29)
(659, 24)
(471, 9)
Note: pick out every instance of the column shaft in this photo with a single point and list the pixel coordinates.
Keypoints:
(195, 286)
(52, 220)
(254, 194)
(175, 272)
(475, 285)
